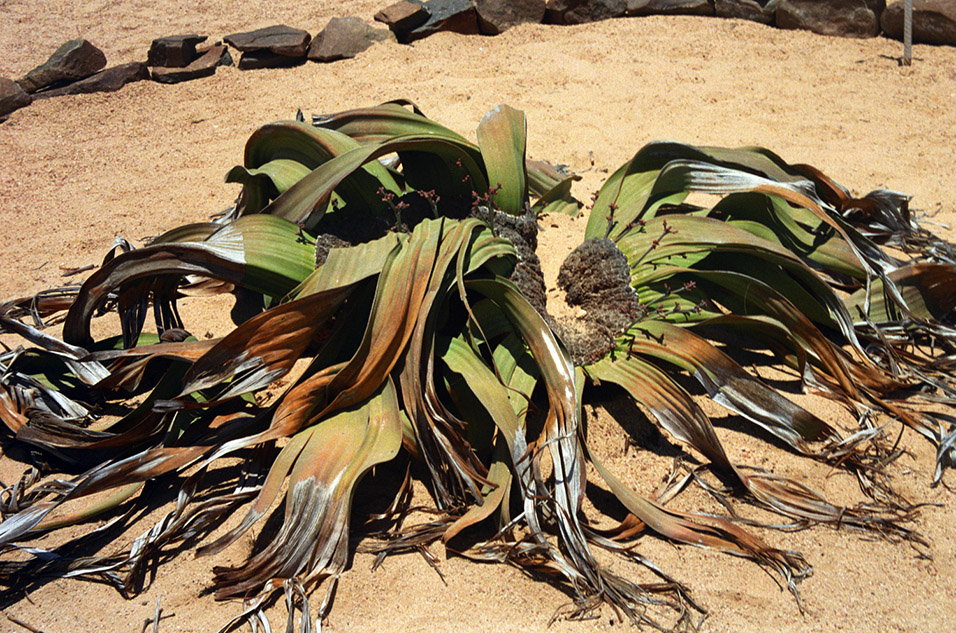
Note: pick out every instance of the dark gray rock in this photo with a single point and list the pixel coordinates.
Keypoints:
(252, 60)
(12, 96)
(174, 51)
(401, 17)
(74, 60)
(344, 38)
(203, 66)
(582, 11)
(752, 10)
(843, 18)
(279, 39)
(457, 16)
(934, 21)
(109, 80)
(225, 59)
(497, 16)
(670, 7)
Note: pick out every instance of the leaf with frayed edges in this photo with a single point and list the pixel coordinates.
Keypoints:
(683, 419)
(330, 459)
(265, 347)
(727, 383)
(705, 531)
(258, 252)
(928, 291)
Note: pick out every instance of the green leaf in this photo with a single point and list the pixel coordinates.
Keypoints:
(265, 183)
(282, 151)
(502, 136)
(345, 266)
(383, 122)
(306, 201)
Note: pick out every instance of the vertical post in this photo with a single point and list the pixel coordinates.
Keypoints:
(907, 32)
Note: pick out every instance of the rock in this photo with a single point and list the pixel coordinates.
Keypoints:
(109, 80)
(174, 51)
(344, 38)
(670, 7)
(752, 10)
(225, 59)
(457, 16)
(581, 11)
(12, 96)
(497, 16)
(844, 18)
(934, 21)
(76, 59)
(203, 66)
(252, 60)
(402, 17)
(279, 39)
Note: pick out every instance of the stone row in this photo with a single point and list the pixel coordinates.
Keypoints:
(934, 21)
(79, 67)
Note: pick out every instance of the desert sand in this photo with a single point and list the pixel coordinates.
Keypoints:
(77, 171)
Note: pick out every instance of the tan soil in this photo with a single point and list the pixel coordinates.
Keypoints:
(76, 171)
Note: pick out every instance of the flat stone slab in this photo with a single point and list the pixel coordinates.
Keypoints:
(344, 38)
(12, 96)
(109, 80)
(174, 51)
(74, 60)
(252, 60)
(203, 66)
(279, 39)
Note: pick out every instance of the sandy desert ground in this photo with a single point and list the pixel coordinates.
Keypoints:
(77, 171)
